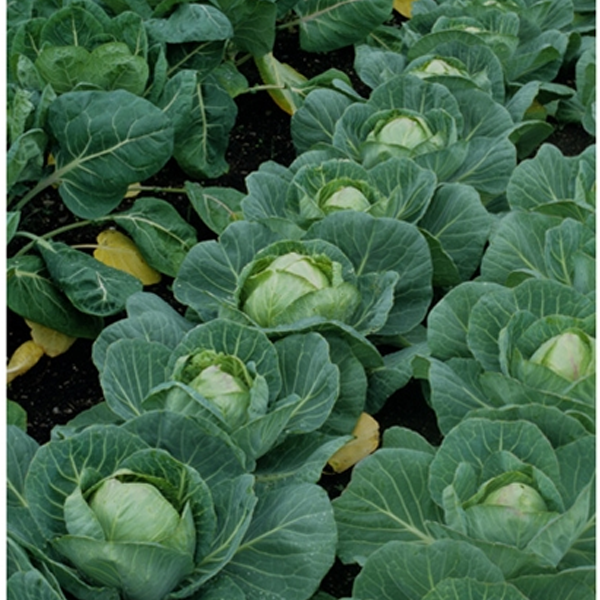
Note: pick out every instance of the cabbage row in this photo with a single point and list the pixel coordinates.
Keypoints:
(425, 232)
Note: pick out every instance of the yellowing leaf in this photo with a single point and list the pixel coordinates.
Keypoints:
(275, 73)
(366, 440)
(404, 7)
(52, 342)
(118, 251)
(51, 160)
(25, 356)
(133, 190)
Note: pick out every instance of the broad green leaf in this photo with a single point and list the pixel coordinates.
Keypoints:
(487, 166)
(314, 121)
(159, 231)
(99, 414)
(216, 206)
(375, 66)
(131, 369)
(538, 58)
(201, 143)
(289, 546)
(191, 23)
(379, 245)
(475, 441)
(317, 388)
(222, 587)
(151, 326)
(458, 220)
(547, 179)
(16, 415)
(455, 589)
(18, 113)
(392, 376)
(566, 585)
(105, 132)
(267, 192)
(455, 390)
(112, 66)
(577, 470)
(447, 322)
(555, 540)
(31, 585)
(76, 24)
(407, 187)
(12, 224)
(408, 439)
(517, 245)
(25, 157)
(20, 451)
(299, 458)
(331, 24)
(235, 503)
(353, 387)
(253, 24)
(32, 293)
(387, 499)
(92, 287)
(259, 435)
(220, 461)
(418, 569)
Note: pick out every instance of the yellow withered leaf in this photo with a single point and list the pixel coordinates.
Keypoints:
(25, 356)
(276, 73)
(366, 440)
(118, 251)
(52, 342)
(133, 190)
(404, 7)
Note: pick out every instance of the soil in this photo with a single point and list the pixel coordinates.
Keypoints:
(57, 389)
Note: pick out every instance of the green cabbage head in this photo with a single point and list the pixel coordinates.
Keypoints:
(572, 355)
(222, 379)
(124, 531)
(294, 286)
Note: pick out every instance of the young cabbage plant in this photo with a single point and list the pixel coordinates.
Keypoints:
(136, 512)
(530, 43)
(499, 486)
(303, 392)
(451, 216)
(349, 268)
(462, 135)
(532, 343)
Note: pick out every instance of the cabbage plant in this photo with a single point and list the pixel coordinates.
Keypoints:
(532, 343)
(159, 507)
(511, 489)
(462, 135)
(349, 269)
(530, 42)
(450, 216)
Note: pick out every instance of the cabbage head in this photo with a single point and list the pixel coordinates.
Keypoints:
(294, 286)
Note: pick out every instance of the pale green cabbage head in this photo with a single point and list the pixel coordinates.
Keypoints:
(519, 496)
(222, 379)
(572, 355)
(294, 286)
